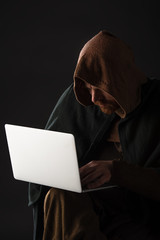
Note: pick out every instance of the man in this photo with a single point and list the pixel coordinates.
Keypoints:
(115, 120)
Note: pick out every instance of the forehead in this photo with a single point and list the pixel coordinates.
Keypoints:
(99, 90)
(88, 85)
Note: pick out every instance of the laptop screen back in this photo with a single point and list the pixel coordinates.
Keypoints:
(43, 157)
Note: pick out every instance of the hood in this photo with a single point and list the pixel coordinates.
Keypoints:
(108, 63)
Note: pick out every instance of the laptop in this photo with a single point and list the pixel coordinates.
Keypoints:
(45, 157)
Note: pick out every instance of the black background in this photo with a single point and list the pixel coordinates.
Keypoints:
(39, 47)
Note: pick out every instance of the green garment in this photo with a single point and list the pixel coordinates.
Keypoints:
(138, 131)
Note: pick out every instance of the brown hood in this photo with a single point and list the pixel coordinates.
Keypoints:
(108, 63)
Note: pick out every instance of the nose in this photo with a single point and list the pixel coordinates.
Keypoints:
(94, 95)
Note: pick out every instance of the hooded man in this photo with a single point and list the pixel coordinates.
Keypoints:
(112, 110)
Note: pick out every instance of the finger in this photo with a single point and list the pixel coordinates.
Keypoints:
(86, 169)
(91, 177)
(98, 183)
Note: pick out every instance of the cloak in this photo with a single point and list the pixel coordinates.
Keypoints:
(139, 136)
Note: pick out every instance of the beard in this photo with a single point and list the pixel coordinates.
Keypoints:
(107, 108)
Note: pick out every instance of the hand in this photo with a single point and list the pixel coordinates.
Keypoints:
(96, 173)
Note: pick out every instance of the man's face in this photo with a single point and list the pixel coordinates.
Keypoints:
(105, 101)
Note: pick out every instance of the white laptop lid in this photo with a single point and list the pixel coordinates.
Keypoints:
(43, 157)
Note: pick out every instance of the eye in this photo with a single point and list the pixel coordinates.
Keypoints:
(88, 89)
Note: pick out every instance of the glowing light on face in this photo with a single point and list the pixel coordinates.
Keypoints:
(104, 100)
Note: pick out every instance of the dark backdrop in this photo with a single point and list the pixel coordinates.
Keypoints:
(39, 48)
